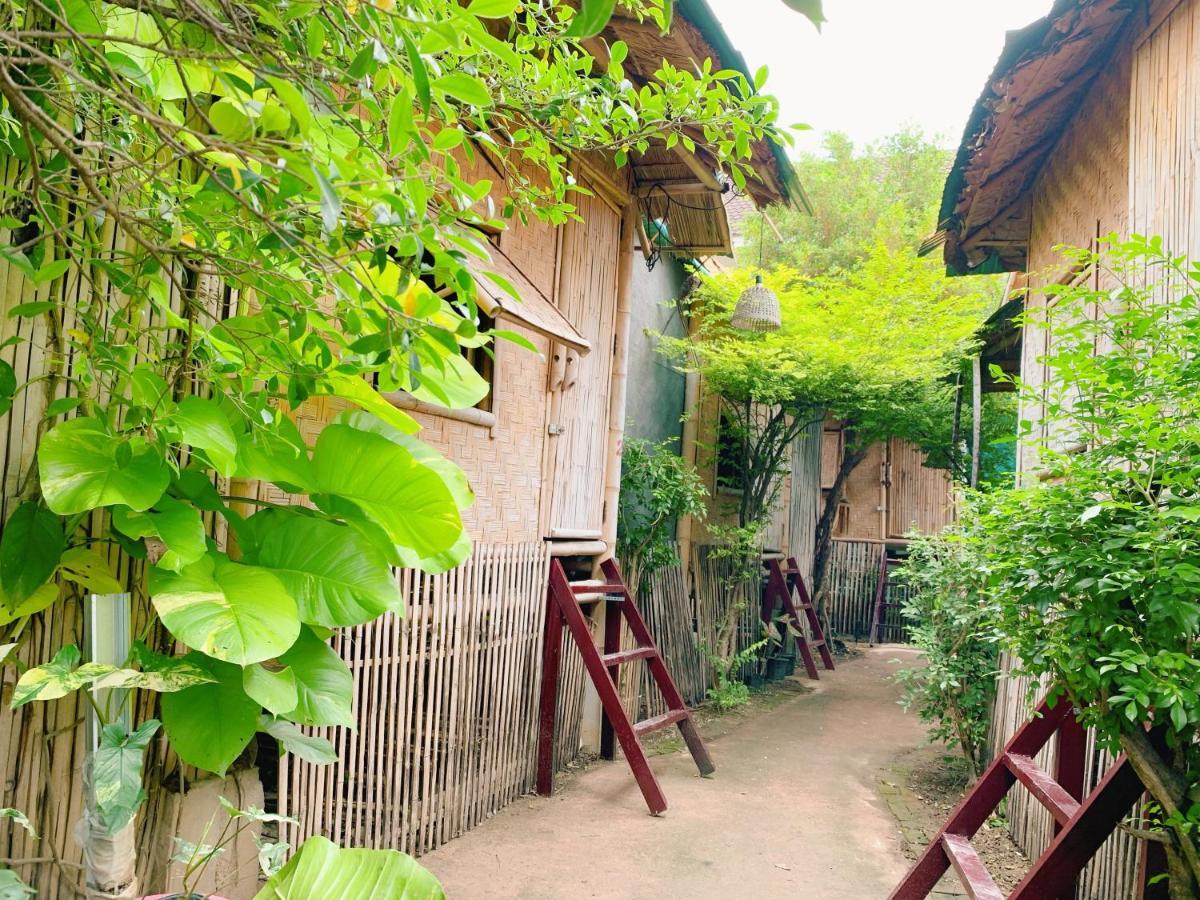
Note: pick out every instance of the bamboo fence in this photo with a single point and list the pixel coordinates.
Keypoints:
(1112, 873)
(850, 592)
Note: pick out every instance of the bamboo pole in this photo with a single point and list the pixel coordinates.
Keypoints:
(976, 415)
(620, 379)
(687, 449)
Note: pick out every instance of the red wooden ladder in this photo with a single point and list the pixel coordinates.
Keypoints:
(563, 606)
(881, 601)
(780, 584)
(1081, 825)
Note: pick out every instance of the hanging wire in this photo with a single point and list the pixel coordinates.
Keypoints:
(729, 193)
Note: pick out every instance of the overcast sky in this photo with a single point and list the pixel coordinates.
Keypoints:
(876, 65)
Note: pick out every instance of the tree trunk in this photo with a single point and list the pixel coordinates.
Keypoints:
(824, 535)
(1169, 788)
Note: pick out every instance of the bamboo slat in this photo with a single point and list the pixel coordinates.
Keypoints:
(445, 702)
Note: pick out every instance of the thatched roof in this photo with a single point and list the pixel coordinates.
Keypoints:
(1038, 84)
(680, 186)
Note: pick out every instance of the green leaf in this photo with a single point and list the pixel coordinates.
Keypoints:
(203, 424)
(57, 678)
(81, 469)
(493, 9)
(458, 386)
(324, 685)
(30, 549)
(293, 99)
(12, 887)
(366, 397)
(81, 16)
(52, 270)
(29, 310)
(43, 597)
(275, 689)
(336, 576)
(6, 650)
(810, 9)
(420, 74)
(155, 672)
(409, 500)
(307, 747)
(331, 203)
(451, 474)
(20, 818)
(320, 869)
(593, 15)
(277, 456)
(464, 87)
(400, 122)
(90, 569)
(209, 725)
(236, 613)
(117, 772)
(178, 525)
(8, 386)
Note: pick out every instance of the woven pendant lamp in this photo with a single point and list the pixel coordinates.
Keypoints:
(758, 307)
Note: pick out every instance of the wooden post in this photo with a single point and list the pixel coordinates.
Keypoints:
(976, 414)
(685, 531)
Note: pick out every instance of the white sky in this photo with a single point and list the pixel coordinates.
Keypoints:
(876, 65)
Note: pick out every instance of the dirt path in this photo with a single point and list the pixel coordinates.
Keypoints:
(794, 810)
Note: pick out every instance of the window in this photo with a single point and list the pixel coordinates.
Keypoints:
(483, 361)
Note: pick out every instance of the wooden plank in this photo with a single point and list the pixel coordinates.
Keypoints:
(971, 871)
(1038, 782)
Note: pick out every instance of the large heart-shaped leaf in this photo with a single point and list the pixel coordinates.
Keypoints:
(324, 685)
(203, 424)
(29, 552)
(236, 613)
(82, 467)
(117, 772)
(451, 473)
(321, 869)
(90, 569)
(279, 456)
(176, 524)
(274, 688)
(409, 500)
(209, 725)
(57, 678)
(42, 598)
(335, 574)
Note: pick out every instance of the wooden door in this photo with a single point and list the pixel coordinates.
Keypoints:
(577, 439)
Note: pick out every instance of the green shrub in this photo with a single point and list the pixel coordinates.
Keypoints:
(954, 689)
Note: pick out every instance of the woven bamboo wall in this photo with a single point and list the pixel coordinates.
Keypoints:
(890, 493)
(446, 704)
(919, 498)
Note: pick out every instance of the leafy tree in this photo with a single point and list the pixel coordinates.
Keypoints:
(1094, 571)
(874, 346)
(221, 210)
(886, 191)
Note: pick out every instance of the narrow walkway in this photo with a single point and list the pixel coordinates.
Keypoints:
(793, 811)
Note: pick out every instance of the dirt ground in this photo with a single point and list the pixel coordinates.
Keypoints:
(795, 808)
(921, 787)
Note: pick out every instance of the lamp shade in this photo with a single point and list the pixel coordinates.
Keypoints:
(757, 309)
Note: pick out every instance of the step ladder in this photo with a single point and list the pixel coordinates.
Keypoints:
(779, 592)
(563, 606)
(881, 600)
(1081, 825)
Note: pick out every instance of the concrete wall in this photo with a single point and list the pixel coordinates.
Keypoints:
(655, 399)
